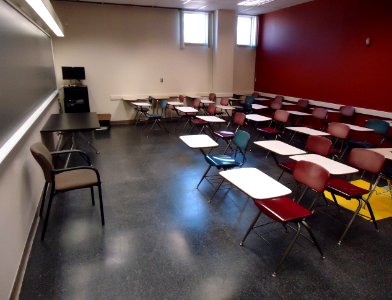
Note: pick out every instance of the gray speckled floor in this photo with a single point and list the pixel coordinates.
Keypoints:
(163, 240)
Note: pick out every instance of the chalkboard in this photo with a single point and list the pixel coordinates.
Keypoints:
(27, 75)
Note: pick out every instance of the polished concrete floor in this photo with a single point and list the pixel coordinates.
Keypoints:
(163, 240)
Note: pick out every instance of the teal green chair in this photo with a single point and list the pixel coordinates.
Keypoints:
(226, 162)
(158, 117)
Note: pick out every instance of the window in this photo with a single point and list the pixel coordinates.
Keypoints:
(195, 27)
(246, 30)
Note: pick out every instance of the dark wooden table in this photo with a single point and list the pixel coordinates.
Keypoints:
(72, 123)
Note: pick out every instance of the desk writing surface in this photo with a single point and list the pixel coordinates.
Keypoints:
(225, 107)
(206, 101)
(308, 131)
(387, 152)
(141, 103)
(279, 147)
(332, 166)
(258, 106)
(358, 128)
(71, 122)
(261, 99)
(298, 113)
(175, 103)
(255, 183)
(186, 109)
(211, 119)
(257, 118)
(197, 141)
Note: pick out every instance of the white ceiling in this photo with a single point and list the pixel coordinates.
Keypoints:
(209, 5)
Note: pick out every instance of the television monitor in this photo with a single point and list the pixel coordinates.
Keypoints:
(73, 73)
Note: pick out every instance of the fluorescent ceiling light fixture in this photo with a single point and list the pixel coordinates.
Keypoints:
(46, 12)
(254, 2)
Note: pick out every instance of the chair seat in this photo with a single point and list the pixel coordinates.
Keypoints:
(225, 134)
(75, 179)
(268, 130)
(283, 209)
(222, 161)
(344, 188)
(198, 121)
(288, 166)
(359, 144)
(154, 116)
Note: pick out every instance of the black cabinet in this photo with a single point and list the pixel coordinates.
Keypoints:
(76, 99)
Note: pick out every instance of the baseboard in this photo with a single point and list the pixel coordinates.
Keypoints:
(25, 258)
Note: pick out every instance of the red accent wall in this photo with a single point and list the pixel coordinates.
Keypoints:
(317, 51)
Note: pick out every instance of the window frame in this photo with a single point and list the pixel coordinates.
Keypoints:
(252, 33)
(207, 27)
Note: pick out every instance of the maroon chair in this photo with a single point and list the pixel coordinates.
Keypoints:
(318, 120)
(212, 96)
(346, 113)
(314, 144)
(276, 127)
(227, 136)
(285, 210)
(339, 132)
(302, 104)
(211, 110)
(255, 95)
(365, 160)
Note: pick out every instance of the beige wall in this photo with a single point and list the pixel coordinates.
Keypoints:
(126, 50)
(244, 69)
(21, 182)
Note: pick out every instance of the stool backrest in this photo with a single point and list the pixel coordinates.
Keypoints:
(303, 103)
(211, 109)
(224, 101)
(239, 118)
(320, 113)
(241, 140)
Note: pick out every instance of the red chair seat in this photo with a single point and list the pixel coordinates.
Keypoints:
(268, 130)
(225, 134)
(198, 121)
(344, 188)
(288, 166)
(283, 209)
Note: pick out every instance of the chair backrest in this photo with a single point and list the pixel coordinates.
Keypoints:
(320, 113)
(181, 98)
(281, 116)
(44, 159)
(366, 160)
(278, 99)
(241, 140)
(249, 100)
(318, 145)
(239, 119)
(379, 126)
(196, 103)
(303, 103)
(311, 174)
(211, 109)
(212, 97)
(163, 103)
(347, 110)
(224, 101)
(338, 130)
(276, 104)
(255, 94)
